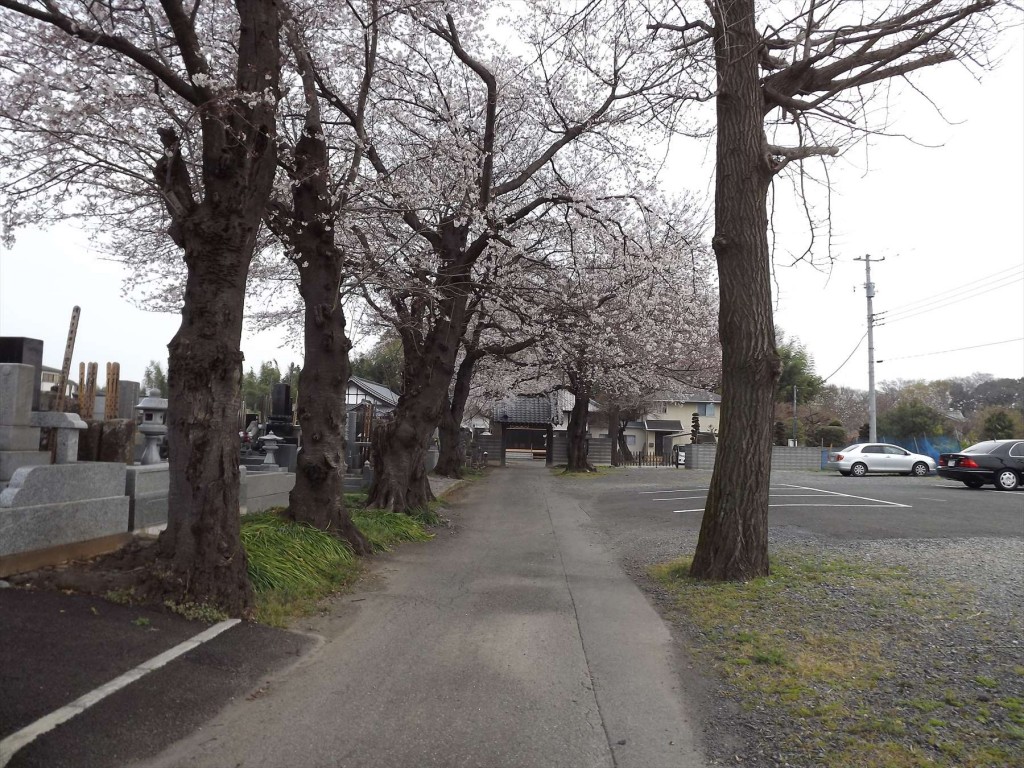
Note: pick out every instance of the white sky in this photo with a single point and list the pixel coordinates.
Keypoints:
(948, 220)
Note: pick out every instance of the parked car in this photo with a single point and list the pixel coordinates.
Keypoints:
(860, 458)
(999, 462)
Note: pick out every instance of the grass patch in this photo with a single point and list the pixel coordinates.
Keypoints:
(810, 644)
(293, 566)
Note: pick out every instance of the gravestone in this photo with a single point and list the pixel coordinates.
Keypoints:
(17, 349)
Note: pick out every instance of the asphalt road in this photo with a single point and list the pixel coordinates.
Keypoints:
(513, 639)
(821, 503)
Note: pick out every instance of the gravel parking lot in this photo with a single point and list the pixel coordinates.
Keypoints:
(951, 541)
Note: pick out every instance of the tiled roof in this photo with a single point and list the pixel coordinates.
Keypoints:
(663, 425)
(527, 410)
(685, 396)
(379, 391)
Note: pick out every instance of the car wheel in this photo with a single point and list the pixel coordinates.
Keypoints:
(920, 469)
(859, 469)
(973, 483)
(1007, 480)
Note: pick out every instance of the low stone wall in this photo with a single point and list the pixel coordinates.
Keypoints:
(52, 505)
(259, 491)
(703, 457)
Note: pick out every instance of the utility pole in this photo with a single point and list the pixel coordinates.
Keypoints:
(869, 290)
(794, 415)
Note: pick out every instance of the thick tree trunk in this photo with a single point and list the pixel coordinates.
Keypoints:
(733, 542)
(204, 560)
(613, 433)
(620, 436)
(450, 448)
(318, 497)
(398, 452)
(400, 446)
(577, 435)
(452, 455)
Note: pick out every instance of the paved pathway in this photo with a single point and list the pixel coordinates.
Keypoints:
(514, 640)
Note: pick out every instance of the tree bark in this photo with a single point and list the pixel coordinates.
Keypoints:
(318, 497)
(613, 433)
(201, 552)
(620, 437)
(577, 435)
(451, 457)
(204, 560)
(400, 445)
(733, 541)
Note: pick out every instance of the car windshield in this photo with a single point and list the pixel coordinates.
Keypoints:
(848, 448)
(986, 447)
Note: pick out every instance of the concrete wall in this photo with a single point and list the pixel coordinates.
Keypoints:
(703, 457)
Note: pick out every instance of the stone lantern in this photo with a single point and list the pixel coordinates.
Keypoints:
(153, 424)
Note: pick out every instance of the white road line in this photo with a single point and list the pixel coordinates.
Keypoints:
(941, 501)
(30, 733)
(882, 505)
(688, 510)
(676, 490)
(850, 496)
(679, 498)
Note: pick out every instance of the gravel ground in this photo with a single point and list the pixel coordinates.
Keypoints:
(945, 658)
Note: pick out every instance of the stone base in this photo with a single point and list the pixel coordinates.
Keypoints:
(262, 490)
(23, 529)
(12, 461)
(44, 558)
(147, 488)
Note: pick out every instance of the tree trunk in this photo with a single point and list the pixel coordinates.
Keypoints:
(577, 435)
(452, 455)
(318, 497)
(201, 551)
(613, 433)
(398, 452)
(620, 436)
(450, 448)
(400, 445)
(733, 542)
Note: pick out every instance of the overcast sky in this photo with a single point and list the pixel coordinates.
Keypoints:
(948, 220)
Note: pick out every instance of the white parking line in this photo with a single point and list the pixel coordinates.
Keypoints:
(31, 732)
(883, 502)
(676, 490)
(940, 501)
(678, 498)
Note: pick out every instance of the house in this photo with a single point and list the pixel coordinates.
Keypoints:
(361, 391)
(670, 419)
(50, 377)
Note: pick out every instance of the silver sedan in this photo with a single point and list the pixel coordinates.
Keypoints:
(860, 458)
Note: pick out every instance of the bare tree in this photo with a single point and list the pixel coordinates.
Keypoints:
(791, 82)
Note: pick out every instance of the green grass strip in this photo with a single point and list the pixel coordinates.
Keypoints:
(811, 644)
(285, 555)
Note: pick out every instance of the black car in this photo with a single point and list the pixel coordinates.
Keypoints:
(1000, 462)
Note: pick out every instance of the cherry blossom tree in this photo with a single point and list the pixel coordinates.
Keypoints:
(110, 109)
(793, 84)
(632, 306)
(468, 163)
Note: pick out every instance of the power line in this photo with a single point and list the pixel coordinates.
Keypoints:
(837, 370)
(958, 349)
(885, 317)
(913, 305)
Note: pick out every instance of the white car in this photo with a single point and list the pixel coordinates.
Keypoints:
(860, 458)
